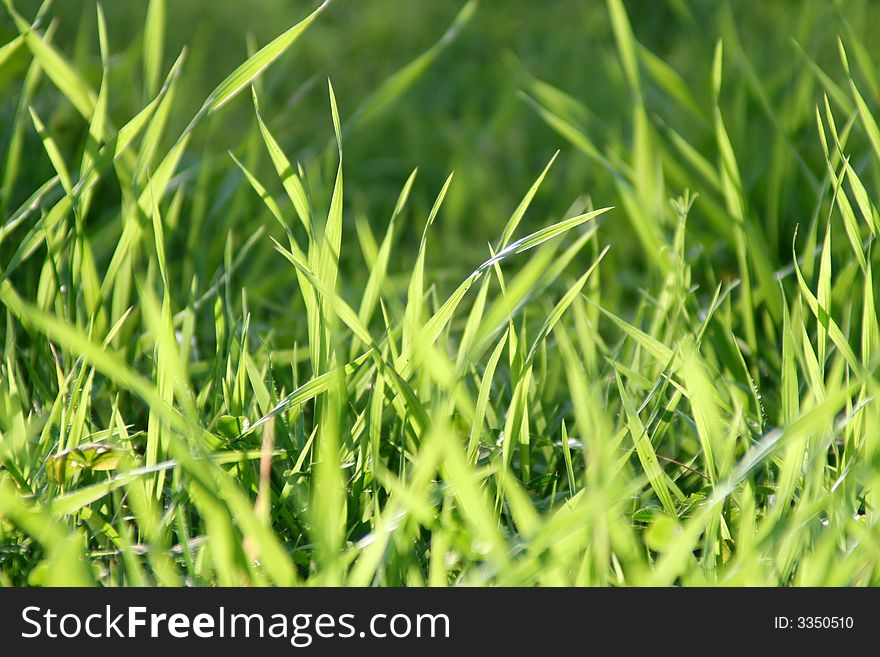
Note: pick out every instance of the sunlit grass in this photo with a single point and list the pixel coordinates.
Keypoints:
(215, 372)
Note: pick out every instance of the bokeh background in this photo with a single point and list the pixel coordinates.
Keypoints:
(470, 111)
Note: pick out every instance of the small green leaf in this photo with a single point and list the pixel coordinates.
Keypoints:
(231, 427)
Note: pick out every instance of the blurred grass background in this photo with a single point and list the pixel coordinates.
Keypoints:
(467, 113)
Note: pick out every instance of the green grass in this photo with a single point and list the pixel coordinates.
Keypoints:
(246, 341)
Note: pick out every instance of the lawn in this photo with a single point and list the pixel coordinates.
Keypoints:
(439, 293)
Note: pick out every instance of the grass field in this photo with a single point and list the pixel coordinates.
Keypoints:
(439, 293)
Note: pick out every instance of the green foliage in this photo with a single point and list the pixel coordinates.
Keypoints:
(228, 356)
